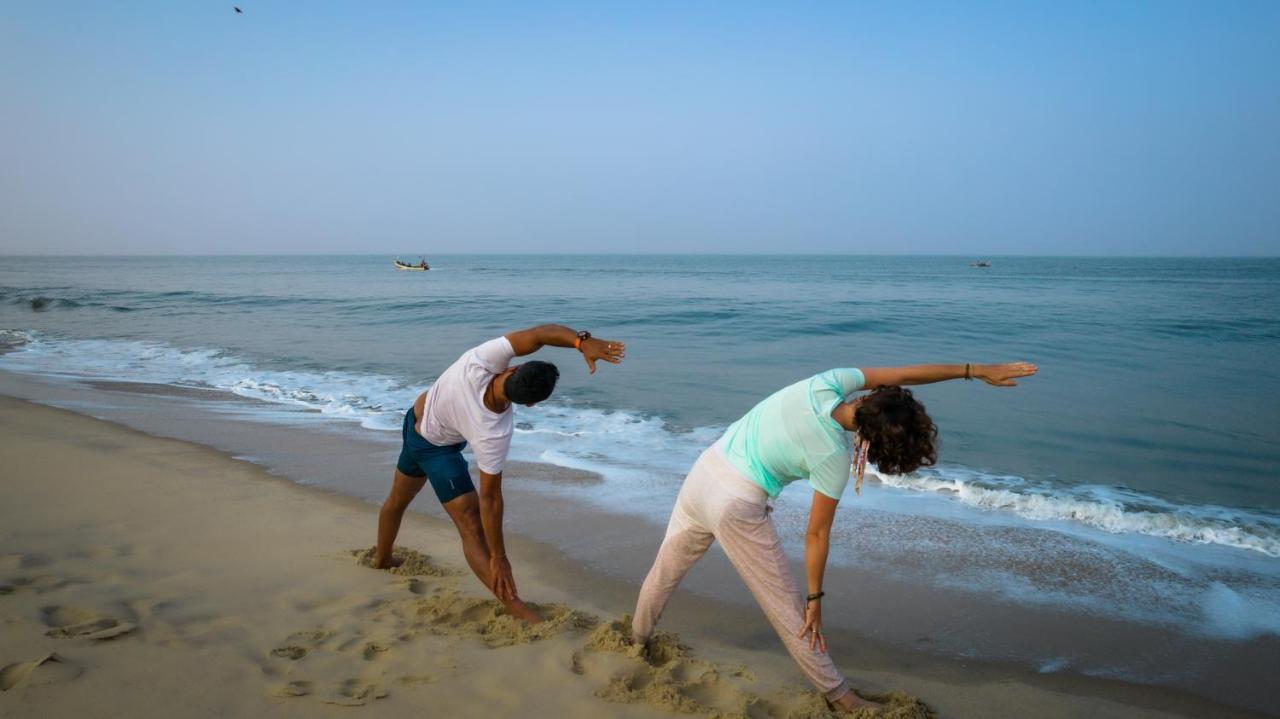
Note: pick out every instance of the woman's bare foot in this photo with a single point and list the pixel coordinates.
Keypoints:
(851, 702)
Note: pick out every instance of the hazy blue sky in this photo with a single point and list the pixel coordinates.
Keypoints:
(970, 128)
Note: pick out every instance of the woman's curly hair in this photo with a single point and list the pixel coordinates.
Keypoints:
(900, 435)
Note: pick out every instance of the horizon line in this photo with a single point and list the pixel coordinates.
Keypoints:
(54, 255)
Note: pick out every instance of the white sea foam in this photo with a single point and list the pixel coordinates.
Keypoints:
(371, 400)
(634, 453)
(1103, 508)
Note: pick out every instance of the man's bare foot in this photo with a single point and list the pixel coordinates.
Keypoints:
(388, 563)
(523, 611)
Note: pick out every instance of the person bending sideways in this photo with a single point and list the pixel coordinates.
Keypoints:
(811, 430)
(471, 404)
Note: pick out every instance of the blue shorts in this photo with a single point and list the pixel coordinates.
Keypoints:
(444, 466)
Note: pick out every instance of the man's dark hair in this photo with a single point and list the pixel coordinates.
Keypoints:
(900, 435)
(532, 382)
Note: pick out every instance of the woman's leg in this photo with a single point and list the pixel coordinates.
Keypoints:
(686, 541)
(751, 542)
(678, 553)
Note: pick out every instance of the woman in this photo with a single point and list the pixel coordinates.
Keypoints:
(800, 432)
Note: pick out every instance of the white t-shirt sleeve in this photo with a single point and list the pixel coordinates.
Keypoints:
(495, 355)
(491, 454)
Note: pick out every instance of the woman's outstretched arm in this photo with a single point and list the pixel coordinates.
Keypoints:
(1000, 375)
(817, 544)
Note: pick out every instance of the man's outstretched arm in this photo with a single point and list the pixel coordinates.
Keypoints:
(526, 342)
(491, 505)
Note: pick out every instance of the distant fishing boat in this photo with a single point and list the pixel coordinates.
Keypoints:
(980, 263)
(422, 266)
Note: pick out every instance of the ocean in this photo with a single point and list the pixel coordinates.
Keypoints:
(1151, 435)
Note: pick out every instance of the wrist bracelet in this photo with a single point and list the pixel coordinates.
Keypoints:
(814, 597)
(968, 374)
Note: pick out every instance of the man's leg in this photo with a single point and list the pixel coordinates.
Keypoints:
(403, 490)
(464, 510)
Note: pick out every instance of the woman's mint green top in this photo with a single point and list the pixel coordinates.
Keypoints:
(790, 435)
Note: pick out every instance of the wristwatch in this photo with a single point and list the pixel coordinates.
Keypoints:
(583, 336)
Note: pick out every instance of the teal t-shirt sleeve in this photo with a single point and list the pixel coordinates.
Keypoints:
(831, 475)
(848, 379)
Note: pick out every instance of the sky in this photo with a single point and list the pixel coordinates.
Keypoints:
(977, 128)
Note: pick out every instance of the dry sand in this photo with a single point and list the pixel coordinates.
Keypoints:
(149, 577)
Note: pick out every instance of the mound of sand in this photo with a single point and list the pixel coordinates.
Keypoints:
(416, 564)
(450, 612)
(663, 673)
(894, 705)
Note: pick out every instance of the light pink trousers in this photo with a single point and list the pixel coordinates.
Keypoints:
(717, 502)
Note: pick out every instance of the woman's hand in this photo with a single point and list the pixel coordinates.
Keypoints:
(813, 626)
(608, 350)
(1001, 375)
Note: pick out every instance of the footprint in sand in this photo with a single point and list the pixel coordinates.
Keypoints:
(70, 622)
(45, 670)
(295, 689)
(356, 692)
(297, 645)
(372, 650)
(290, 651)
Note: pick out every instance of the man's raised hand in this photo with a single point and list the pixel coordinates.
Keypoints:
(597, 349)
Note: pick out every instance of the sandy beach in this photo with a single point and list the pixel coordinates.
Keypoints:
(143, 576)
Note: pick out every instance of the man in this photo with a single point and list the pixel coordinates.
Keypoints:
(471, 404)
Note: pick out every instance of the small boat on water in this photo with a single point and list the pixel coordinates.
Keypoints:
(980, 263)
(422, 266)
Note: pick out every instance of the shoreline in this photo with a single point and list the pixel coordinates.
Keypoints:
(724, 629)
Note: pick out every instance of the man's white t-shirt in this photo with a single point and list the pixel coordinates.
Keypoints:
(455, 409)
